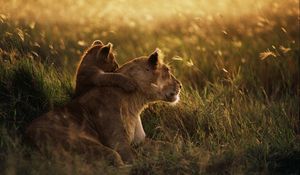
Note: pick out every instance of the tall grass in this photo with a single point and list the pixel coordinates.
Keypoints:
(239, 109)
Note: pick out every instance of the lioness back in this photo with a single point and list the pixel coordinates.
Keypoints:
(105, 121)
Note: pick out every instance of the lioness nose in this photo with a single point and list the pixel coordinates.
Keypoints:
(172, 94)
(179, 84)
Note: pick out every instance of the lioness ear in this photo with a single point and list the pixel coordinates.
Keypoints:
(153, 59)
(97, 42)
(103, 53)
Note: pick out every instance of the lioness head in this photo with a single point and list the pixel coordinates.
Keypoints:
(153, 77)
(100, 55)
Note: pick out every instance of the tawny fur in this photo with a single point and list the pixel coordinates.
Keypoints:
(105, 121)
(97, 67)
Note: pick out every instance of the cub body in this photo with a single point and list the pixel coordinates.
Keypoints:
(105, 121)
(97, 67)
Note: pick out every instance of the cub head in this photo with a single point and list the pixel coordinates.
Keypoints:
(100, 55)
(154, 78)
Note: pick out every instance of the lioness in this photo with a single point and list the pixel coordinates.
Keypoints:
(105, 121)
(96, 68)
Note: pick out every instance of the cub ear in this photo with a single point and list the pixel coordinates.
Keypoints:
(97, 42)
(103, 53)
(153, 58)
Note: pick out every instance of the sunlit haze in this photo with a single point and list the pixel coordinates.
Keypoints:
(137, 11)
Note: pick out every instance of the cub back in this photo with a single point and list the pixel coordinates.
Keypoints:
(97, 59)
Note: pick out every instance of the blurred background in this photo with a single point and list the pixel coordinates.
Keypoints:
(238, 61)
(221, 34)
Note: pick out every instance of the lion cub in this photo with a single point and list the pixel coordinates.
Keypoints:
(96, 69)
(105, 122)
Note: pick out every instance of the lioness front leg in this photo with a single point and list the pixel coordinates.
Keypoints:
(94, 150)
(120, 143)
(118, 140)
(124, 149)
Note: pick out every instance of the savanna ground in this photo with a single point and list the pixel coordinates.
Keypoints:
(238, 62)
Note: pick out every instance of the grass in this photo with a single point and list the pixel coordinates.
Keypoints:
(239, 109)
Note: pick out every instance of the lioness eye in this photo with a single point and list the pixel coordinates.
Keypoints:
(147, 69)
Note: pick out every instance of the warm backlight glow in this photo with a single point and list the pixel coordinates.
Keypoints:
(134, 11)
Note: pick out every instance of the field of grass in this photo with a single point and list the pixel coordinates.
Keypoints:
(238, 62)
